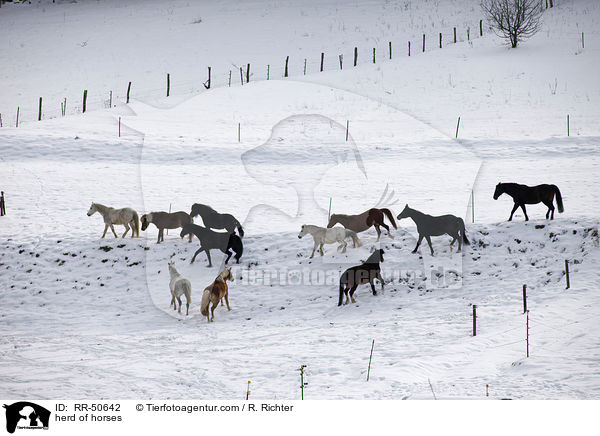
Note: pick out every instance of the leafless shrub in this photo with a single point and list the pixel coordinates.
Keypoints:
(513, 20)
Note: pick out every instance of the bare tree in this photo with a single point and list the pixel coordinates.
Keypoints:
(513, 20)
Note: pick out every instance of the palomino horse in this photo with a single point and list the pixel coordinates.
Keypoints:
(362, 222)
(215, 292)
(523, 194)
(428, 226)
(215, 220)
(362, 274)
(165, 220)
(125, 216)
(209, 240)
(324, 236)
(179, 286)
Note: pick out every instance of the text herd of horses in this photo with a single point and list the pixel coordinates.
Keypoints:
(229, 242)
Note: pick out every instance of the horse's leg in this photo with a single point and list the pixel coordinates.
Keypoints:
(429, 242)
(198, 251)
(173, 302)
(160, 236)
(126, 229)
(314, 248)
(227, 300)
(550, 212)
(378, 232)
(418, 243)
(113, 230)
(187, 304)
(179, 301)
(459, 241)
(524, 211)
(354, 286)
(378, 276)
(512, 212)
(209, 259)
(321, 248)
(385, 226)
(212, 311)
(229, 254)
(105, 229)
(372, 283)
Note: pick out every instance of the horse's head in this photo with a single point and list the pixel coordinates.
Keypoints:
(405, 213)
(303, 231)
(228, 275)
(499, 191)
(146, 219)
(333, 220)
(195, 210)
(92, 210)
(185, 230)
(172, 268)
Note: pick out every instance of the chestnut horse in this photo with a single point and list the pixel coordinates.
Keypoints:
(523, 194)
(362, 222)
(215, 292)
(165, 220)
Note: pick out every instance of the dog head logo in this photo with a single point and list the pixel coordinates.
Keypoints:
(26, 415)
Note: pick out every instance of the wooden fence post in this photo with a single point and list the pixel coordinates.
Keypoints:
(457, 126)
(423, 43)
(242, 75)
(239, 132)
(229, 78)
(455, 35)
(287, 58)
(119, 127)
(17, 122)
(40, 108)
(110, 100)
(168, 84)
(0, 120)
(248, 74)
(373, 54)
(341, 59)
(305, 66)
(390, 44)
(568, 127)
(248, 391)
(207, 83)
(355, 55)
(322, 60)
(582, 41)
(370, 357)
(480, 27)
(65, 107)
(567, 274)
(468, 33)
(329, 211)
(2, 204)
(409, 48)
(84, 99)
(440, 39)
(474, 320)
(347, 128)
(268, 71)
(302, 383)
(524, 298)
(128, 90)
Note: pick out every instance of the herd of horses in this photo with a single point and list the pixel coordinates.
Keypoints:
(229, 242)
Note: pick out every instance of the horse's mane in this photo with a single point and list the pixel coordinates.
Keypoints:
(375, 257)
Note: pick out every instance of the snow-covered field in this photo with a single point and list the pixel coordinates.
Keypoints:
(90, 316)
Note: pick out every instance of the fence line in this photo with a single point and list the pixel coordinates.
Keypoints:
(321, 62)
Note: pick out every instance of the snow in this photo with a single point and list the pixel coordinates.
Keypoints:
(90, 316)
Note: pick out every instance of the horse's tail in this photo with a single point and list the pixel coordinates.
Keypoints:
(390, 216)
(136, 223)
(239, 228)
(462, 230)
(187, 290)
(559, 202)
(205, 302)
(354, 237)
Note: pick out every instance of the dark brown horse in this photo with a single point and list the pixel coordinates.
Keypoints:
(364, 221)
(523, 194)
(362, 274)
(165, 220)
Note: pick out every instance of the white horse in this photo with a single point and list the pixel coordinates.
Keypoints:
(323, 236)
(179, 286)
(125, 216)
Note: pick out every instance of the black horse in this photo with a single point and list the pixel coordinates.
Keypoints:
(209, 240)
(428, 226)
(361, 275)
(215, 220)
(523, 194)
